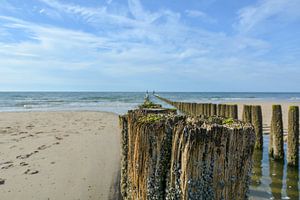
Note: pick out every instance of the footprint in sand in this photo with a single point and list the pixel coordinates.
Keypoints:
(43, 147)
(58, 138)
(30, 126)
(31, 172)
(2, 181)
(23, 164)
(7, 166)
(26, 155)
(7, 162)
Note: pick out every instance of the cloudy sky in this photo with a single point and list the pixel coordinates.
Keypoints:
(134, 45)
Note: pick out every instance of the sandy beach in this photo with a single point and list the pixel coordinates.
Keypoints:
(58, 155)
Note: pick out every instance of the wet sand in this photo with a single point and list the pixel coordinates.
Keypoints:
(59, 155)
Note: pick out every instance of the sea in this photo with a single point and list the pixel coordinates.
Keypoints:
(120, 102)
(270, 179)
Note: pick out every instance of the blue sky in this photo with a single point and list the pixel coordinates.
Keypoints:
(134, 45)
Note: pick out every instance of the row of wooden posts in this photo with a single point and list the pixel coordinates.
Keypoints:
(253, 114)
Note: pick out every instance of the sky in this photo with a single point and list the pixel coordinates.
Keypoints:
(135, 45)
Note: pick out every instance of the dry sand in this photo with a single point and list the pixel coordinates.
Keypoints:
(58, 155)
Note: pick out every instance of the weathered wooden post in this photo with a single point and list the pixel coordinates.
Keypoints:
(205, 109)
(277, 132)
(213, 110)
(222, 112)
(227, 110)
(194, 109)
(124, 158)
(256, 120)
(201, 109)
(219, 109)
(209, 110)
(247, 114)
(233, 111)
(293, 136)
(197, 109)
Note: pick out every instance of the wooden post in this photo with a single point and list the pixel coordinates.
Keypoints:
(219, 108)
(209, 109)
(233, 111)
(213, 110)
(227, 110)
(258, 125)
(124, 152)
(293, 136)
(202, 109)
(222, 110)
(247, 114)
(194, 107)
(277, 132)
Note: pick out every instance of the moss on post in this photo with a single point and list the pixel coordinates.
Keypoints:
(277, 132)
(293, 136)
(256, 120)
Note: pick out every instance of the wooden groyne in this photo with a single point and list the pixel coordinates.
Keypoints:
(170, 156)
(204, 109)
(253, 114)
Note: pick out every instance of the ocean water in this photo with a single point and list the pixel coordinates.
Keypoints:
(119, 102)
(270, 179)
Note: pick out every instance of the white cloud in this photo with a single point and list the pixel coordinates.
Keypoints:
(201, 15)
(278, 10)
